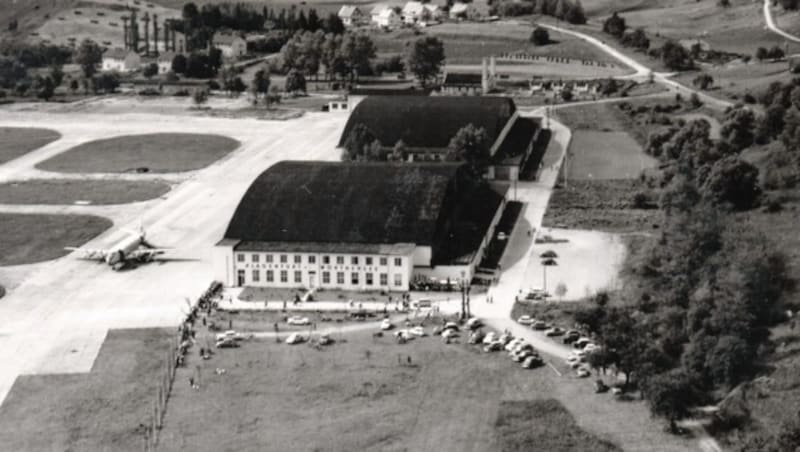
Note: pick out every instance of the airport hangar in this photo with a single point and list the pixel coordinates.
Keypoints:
(379, 225)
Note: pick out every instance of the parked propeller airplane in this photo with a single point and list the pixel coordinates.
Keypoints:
(134, 248)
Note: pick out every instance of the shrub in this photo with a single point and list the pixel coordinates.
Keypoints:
(540, 36)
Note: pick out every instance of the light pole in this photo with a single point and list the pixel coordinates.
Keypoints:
(548, 260)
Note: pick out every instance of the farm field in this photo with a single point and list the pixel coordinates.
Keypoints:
(95, 411)
(157, 153)
(736, 79)
(598, 155)
(30, 238)
(18, 141)
(468, 43)
(70, 191)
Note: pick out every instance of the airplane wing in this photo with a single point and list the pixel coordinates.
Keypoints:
(146, 253)
(89, 254)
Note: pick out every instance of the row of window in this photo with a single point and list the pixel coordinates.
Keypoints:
(383, 278)
(312, 259)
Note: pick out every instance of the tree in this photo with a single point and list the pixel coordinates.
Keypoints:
(260, 85)
(73, 85)
(179, 64)
(150, 70)
(57, 74)
(637, 39)
(676, 57)
(670, 394)
(724, 3)
(762, 54)
(575, 14)
(471, 145)
(398, 152)
(357, 143)
(540, 36)
(88, 56)
(561, 290)
(615, 25)
(567, 94)
(425, 58)
(107, 83)
(703, 81)
(295, 82)
(738, 130)
(200, 96)
(732, 182)
(45, 88)
(775, 53)
(771, 124)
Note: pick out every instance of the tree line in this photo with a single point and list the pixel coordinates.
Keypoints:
(674, 55)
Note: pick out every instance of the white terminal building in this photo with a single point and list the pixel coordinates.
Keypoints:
(358, 226)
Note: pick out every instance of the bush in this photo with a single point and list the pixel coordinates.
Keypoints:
(540, 36)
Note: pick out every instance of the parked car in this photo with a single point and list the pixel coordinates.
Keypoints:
(490, 337)
(449, 333)
(325, 340)
(474, 323)
(554, 331)
(513, 343)
(476, 337)
(451, 326)
(582, 342)
(423, 303)
(230, 334)
(495, 346)
(583, 372)
(532, 361)
(403, 334)
(297, 320)
(226, 343)
(386, 324)
(295, 338)
(418, 331)
(571, 336)
(521, 355)
(505, 338)
(539, 325)
(525, 320)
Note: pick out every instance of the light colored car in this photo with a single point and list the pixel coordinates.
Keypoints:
(325, 340)
(525, 320)
(423, 303)
(590, 347)
(451, 326)
(582, 342)
(295, 338)
(474, 323)
(476, 337)
(418, 331)
(513, 343)
(490, 337)
(386, 324)
(583, 372)
(226, 343)
(505, 338)
(524, 346)
(405, 334)
(521, 355)
(554, 331)
(495, 346)
(449, 333)
(230, 334)
(297, 320)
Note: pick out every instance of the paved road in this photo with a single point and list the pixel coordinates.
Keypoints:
(771, 23)
(642, 72)
(57, 318)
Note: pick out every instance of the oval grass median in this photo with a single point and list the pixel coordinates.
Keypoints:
(18, 141)
(150, 153)
(71, 191)
(31, 238)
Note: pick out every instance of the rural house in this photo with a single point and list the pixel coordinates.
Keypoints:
(120, 60)
(352, 16)
(232, 46)
(384, 16)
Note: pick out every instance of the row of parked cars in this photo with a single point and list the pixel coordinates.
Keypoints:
(582, 346)
(518, 350)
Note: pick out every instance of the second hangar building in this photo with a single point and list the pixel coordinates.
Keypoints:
(358, 226)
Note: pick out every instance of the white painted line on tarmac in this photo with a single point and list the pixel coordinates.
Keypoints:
(554, 368)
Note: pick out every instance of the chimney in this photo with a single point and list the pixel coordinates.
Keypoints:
(484, 77)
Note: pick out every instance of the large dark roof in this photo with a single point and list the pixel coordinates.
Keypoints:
(428, 122)
(328, 203)
(343, 202)
(516, 141)
(462, 78)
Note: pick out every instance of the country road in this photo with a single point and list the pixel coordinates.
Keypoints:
(771, 23)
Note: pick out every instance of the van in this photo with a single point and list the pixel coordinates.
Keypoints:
(422, 303)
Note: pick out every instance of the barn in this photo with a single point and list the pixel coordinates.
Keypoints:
(307, 225)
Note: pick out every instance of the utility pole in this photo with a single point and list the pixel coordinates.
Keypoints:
(146, 20)
(125, 37)
(155, 34)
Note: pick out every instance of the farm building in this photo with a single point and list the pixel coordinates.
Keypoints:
(120, 60)
(232, 46)
(306, 225)
(464, 11)
(427, 124)
(164, 62)
(352, 16)
(384, 16)
(471, 83)
(419, 13)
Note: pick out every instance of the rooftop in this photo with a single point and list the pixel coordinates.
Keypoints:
(428, 122)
